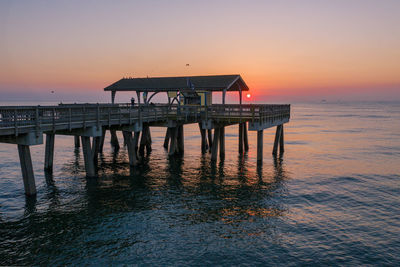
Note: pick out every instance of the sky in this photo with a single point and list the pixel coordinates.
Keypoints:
(285, 50)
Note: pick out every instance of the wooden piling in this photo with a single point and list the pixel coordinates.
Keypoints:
(88, 156)
(136, 142)
(49, 152)
(214, 149)
(222, 142)
(245, 137)
(166, 139)
(173, 145)
(241, 138)
(114, 140)
(277, 137)
(27, 170)
(180, 139)
(210, 140)
(148, 140)
(76, 141)
(281, 142)
(96, 149)
(131, 148)
(203, 139)
(102, 138)
(260, 143)
(145, 140)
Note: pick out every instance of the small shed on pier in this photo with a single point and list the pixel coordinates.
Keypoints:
(186, 90)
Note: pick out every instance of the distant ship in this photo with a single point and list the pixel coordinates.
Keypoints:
(323, 101)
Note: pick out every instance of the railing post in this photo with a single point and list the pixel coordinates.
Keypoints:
(54, 119)
(98, 116)
(84, 117)
(37, 121)
(69, 119)
(15, 122)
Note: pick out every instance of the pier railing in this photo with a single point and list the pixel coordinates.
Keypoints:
(22, 119)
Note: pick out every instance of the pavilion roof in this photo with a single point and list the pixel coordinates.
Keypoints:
(165, 84)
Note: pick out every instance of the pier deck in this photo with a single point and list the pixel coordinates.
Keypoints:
(26, 125)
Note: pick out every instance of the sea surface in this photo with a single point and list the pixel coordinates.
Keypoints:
(333, 198)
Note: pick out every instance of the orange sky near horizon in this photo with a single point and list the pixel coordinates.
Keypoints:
(280, 48)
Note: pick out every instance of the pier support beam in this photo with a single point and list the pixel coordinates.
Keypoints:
(260, 143)
(278, 135)
(88, 156)
(136, 142)
(114, 140)
(131, 148)
(27, 170)
(203, 139)
(76, 141)
(102, 138)
(214, 149)
(241, 141)
(281, 143)
(222, 143)
(49, 152)
(210, 140)
(180, 139)
(167, 137)
(173, 144)
(245, 137)
(145, 140)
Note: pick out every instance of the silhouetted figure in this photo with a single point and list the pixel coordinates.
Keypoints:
(132, 101)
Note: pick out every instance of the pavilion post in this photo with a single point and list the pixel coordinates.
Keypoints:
(113, 96)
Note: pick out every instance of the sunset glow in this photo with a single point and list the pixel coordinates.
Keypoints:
(285, 51)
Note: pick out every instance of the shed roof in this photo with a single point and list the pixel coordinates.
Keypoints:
(165, 84)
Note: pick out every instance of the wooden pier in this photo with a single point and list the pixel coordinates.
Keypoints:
(27, 125)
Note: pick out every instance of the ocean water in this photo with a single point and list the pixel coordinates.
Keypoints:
(333, 198)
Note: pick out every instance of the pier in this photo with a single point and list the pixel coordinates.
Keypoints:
(189, 101)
